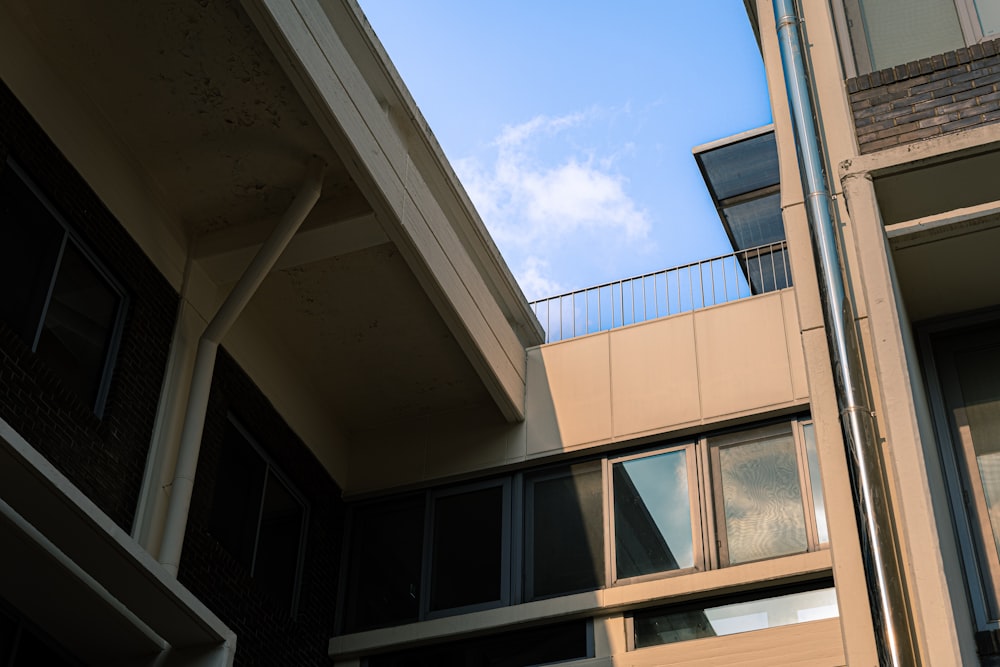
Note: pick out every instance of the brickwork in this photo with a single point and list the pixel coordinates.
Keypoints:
(927, 98)
(267, 633)
(105, 457)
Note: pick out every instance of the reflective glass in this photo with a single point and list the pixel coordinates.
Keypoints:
(238, 489)
(762, 499)
(666, 627)
(756, 222)
(653, 531)
(565, 546)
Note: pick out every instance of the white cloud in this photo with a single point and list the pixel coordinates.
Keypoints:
(535, 199)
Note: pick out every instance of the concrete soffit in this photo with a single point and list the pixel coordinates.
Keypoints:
(332, 57)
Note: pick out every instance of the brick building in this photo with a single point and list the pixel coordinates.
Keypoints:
(270, 396)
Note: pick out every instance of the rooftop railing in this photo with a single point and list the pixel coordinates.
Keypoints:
(668, 292)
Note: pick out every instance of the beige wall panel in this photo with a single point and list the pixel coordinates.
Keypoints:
(810, 310)
(814, 644)
(569, 394)
(793, 336)
(654, 375)
(742, 356)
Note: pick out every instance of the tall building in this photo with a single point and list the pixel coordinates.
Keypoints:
(269, 395)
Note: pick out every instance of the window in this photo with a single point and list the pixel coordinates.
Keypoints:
(667, 511)
(965, 392)
(258, 517)
(654, 521)
(469, 548)
(886, 33)
(564, 530)
(733, 614)
(56, 296)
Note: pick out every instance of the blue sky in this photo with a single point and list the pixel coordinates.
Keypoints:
(571, 123)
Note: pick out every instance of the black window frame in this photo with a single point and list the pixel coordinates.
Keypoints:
(71, 236)
(271, 469)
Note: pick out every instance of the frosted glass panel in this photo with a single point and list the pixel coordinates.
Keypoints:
(762, 500)
(989, 16)
(899, 31)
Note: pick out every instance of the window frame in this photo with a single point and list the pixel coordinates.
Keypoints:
(980, 560)
(737, 438)
(703, 493)
(427, 566)
(695, 494)
(855, 50)
(70, 235)
(523, 578)
(271, 468)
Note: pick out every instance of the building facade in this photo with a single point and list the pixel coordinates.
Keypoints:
(269, 394)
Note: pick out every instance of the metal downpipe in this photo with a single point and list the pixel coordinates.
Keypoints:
(880, 550)
(204, 365)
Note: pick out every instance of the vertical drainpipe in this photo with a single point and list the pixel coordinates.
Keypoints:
(204, 365)
(880, 549)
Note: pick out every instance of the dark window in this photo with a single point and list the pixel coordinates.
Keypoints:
(56, 296)
(467, 548)
(534, 646)
(384, 566)
(257, 517)
(565, 531)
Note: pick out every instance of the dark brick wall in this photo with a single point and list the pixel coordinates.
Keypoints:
(266, 632)
(927, 98)
(104, 457)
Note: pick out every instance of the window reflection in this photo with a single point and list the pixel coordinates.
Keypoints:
(653, 530)
(656, 627)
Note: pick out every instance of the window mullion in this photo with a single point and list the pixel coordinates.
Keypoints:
(260, 516)
(48, 292)
(805, 483)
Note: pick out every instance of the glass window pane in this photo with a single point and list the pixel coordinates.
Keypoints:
(653, 530)
(979, 376)
(383, 582)
(277, 561)
(988, 12)
(565, 546)
(29, 246)
(467, 548)
(78, 325)
(900, 31)
(762, 499)
(816, 482)
(666, 627)
(238, 489)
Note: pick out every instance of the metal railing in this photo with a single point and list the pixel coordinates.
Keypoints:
(667, 292)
